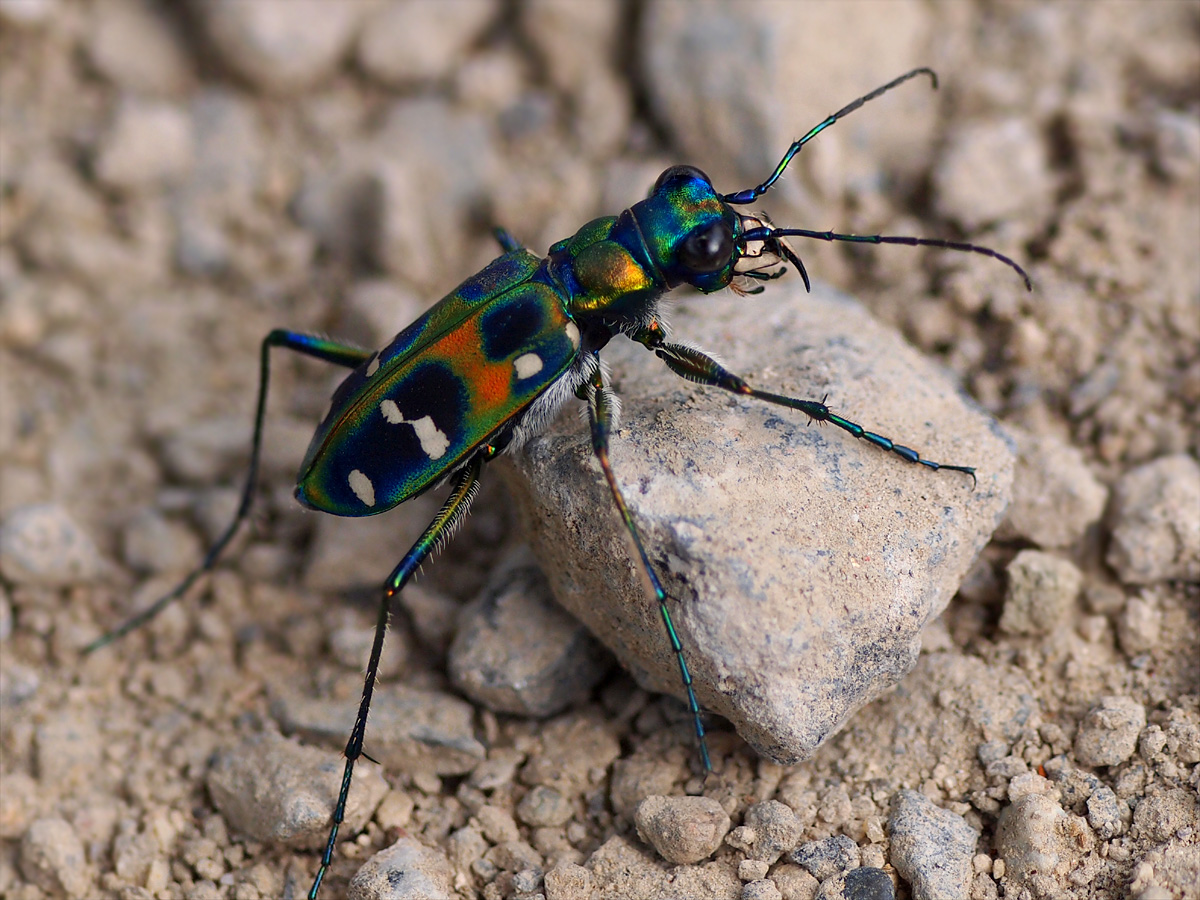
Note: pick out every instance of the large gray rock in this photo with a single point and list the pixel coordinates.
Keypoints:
(804, 562)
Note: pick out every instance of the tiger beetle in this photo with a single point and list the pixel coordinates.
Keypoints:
(489, 366)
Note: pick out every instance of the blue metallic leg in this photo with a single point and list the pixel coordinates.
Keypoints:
(466, 484)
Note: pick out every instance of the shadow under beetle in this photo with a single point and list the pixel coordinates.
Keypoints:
(490, 365)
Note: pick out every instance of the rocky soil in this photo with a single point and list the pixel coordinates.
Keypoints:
(178, 179)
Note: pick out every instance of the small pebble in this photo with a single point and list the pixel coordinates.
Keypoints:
(133, 46)
(395, 810)
(574, 39)
(1104, 599)
(762, 889)
(1042, 589)
(682, 829)
(932, 848)
(407, 870)
(1183, 736)
(433, 616)
(497, 771)
(527, 881)
(1151, 743)
(466, 845)
(544, 807)
(415, 42)
(1163, 812)
(1006, 768)
(1155, 529)
(149, 143)
(1032, 840)
(859, 884)
(1177, 145)
(567, 882)
(517, 651)
(514, 856)
(1139, 625)
(42, 545)
(274, 790)
(52, 857)
(576, 750)
(27, 13)
(1055, 495)
(1074, 785)
(280, 47)
(1109, 732)
(776, 830)
(18, 683)
(200, 450)
(827, 857)
(753, 869)
(991, 751)
(498, 824)
(873, 856)
(1104, 812)
(795, 882)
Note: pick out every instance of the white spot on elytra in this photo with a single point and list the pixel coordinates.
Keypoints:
(362, 487)
(527, 365)
(433, 441)
(391, 412)
(573, 334)
(373, 366)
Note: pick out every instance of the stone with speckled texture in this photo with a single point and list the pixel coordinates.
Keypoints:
(804, 563)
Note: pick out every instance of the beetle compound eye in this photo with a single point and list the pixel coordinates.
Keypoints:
(687, 172)
(707, 249)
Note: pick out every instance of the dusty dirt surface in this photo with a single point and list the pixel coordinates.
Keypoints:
(178, 179)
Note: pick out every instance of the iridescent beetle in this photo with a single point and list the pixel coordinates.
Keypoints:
(491, 363)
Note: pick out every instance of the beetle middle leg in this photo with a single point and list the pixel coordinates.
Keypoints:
(507, 242)
(600, 415)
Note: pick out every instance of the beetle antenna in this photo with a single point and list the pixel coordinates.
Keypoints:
(767, 233)
(739, 198)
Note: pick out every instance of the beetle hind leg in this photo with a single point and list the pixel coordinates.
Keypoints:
(466, 484)
(306, 344)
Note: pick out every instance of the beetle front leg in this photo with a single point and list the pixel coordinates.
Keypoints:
(697, 366)
(601, 405)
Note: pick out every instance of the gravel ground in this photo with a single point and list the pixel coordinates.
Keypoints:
(178, 179)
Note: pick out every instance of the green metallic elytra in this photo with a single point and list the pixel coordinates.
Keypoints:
(404, 419)
(492, 362)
